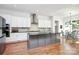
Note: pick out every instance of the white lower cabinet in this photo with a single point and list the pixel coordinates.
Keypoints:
(15, 37)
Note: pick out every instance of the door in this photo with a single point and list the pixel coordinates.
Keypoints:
(52, 39)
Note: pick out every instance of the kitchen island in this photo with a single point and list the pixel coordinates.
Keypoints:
(40, 39)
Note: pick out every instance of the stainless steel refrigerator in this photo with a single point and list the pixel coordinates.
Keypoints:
(2, 34)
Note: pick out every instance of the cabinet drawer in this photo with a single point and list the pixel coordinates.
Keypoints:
(41, 42)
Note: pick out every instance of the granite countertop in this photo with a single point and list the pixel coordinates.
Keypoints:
(39, 33)
(23, 31)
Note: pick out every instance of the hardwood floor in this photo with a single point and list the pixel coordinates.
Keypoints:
(16, 48)
(20, 48)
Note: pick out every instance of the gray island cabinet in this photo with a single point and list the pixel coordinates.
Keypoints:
(42, 39)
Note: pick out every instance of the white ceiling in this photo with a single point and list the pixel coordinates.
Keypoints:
(60, 10)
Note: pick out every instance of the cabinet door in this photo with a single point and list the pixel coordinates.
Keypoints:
(22, 36)
(25, 22)
(48, 41)
(22, 22)
(33, 43)
(44, 22)
(41, 41)
(14, 21)
(52, 39)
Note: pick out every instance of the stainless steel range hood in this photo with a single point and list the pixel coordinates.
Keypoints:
(34, 23)
(34, 19)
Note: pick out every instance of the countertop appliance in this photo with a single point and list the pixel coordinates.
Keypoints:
(2, 34)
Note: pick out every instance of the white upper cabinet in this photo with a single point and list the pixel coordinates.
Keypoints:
(24, 22)
(14, 21)
(17, 21)
(20, 21)
(44, 22)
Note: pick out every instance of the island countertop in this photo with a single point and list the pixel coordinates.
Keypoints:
(40, 33)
